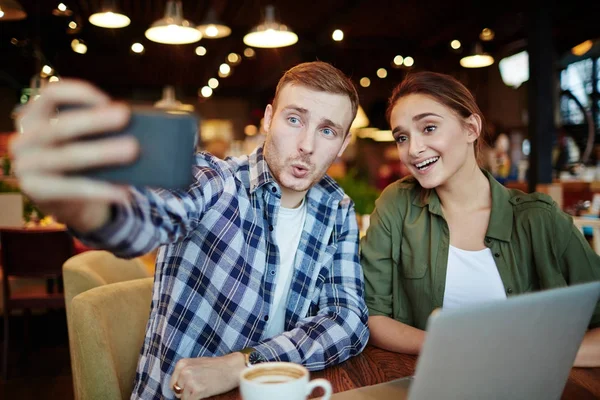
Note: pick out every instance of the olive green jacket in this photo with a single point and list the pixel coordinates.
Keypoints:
(404, 253)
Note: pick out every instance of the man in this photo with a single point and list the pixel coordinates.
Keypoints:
(260, 255)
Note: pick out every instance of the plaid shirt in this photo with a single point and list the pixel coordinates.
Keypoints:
(216, 273)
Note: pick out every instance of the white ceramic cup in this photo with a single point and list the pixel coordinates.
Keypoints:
(280, 380)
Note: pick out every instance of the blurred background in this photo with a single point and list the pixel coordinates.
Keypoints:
(208, 57)
(533, 66)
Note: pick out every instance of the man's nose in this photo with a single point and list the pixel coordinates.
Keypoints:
(306, 142)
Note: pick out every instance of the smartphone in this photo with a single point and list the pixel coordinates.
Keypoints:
(168, 142)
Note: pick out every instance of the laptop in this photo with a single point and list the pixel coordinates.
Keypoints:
(519, 348)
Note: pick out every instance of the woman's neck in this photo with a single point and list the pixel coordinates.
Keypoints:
(467, 190)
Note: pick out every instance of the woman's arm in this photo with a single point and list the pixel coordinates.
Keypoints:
(392, 335)
(589, 351)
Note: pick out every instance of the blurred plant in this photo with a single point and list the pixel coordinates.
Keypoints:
(360, 191)
(6, 165)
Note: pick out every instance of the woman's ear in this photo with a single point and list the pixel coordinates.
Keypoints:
(474, 126)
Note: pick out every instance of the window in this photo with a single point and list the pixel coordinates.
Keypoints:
(579, 78)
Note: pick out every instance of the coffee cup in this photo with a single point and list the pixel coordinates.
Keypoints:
(280, 380)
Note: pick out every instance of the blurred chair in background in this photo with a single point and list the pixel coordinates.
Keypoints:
(32, 253)
(86, 271)
(109, 323)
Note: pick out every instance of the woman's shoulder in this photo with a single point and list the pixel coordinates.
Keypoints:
(402, 190)
(540, 210)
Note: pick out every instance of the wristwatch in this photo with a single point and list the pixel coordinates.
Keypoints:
(252, 356)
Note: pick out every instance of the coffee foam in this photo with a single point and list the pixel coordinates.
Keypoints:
(274, 375)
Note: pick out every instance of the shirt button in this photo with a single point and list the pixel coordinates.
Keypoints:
(488, 240)
(273, 272)
(266, 318)
(518, 199)
(509, 290)
(271, 228)
(274, 189)
(497, 255)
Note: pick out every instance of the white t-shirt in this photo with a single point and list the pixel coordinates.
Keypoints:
(288, 230)
(472, 277)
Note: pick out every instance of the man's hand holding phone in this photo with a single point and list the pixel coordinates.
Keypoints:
(48, 150)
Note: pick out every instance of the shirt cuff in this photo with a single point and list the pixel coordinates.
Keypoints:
(108, 235)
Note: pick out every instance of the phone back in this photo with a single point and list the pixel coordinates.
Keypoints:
(167, 143)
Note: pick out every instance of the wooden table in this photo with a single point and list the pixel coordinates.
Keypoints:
(376, 366)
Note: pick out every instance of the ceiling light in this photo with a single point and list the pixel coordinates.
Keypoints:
(582, 48)
(79, 46)
(213, 83)
(169, 101)
(487, 34)
(477, 59)
(206, 91)
(409, 61)
(233, 58)
(46, 71)
(11, 10)
(455, 44)
(249, 53)
(365, 82)
(224, 68)
(201, 50)
(398, 61)
(109, 16)
(212, 28)
(270, 33)
(137, 48)
(109, 19)
(382, 73)
(74, 26)
(62, 11)
(250, 130)
(337, 35)
(173, 28)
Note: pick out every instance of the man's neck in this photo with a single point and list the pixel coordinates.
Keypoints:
(291, 198)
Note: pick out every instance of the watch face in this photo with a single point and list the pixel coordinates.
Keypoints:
(255, 357)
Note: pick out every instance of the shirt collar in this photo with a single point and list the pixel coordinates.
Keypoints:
(260, 175)
(501, 217)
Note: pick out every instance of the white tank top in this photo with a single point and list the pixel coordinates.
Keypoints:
(288, 230)
(472, 277)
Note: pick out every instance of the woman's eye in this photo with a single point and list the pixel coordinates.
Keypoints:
(401, 139)
(430, 128)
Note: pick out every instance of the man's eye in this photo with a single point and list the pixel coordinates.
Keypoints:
(329, 132)
(293, 120)
(401, 138)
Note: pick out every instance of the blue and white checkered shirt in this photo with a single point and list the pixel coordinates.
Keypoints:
(216, 272)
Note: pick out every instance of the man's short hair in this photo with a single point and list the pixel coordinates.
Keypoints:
(320, 76)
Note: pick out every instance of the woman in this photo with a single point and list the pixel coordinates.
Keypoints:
(451, 235)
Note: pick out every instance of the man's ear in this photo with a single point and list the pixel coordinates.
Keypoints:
(474, 126)
(268, 117)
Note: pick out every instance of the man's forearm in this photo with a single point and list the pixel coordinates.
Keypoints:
(393, 335)
(318, 342)
(589, 351)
